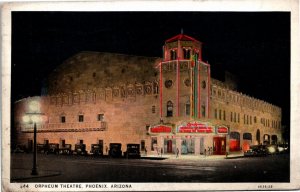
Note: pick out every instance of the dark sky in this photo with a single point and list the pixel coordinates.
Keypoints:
(254, 46)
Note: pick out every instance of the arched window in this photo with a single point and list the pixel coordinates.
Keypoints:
(169, 109)
(247, 136)
(173, 54)
(258, 136)
(186, 53)
(274, 139)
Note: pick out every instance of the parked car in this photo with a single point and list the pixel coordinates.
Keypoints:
(66, 149)
(41, 148)
(20, 149)
(283, 148)
(96, 150)
(133, 151)
(256, 150)
(80, 149)
(52, 148)
(272, 149)
(115, 150)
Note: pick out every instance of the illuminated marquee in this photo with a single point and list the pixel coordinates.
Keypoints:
(161, 129)
(195, 127)
(222, 129)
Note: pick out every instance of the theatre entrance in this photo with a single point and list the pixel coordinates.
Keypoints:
(219, 145)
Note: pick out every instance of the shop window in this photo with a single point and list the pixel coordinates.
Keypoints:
(186, 53)
(187, 108)
(173, 54)
(80, 118)
(100, 117)
(169, 109)
(63, 119)
(153, 143)
(247, 136)
(153, 109)
(142, 145)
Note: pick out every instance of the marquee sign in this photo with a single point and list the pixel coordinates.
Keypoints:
(222, 130)
(195, 127)
(161, 129)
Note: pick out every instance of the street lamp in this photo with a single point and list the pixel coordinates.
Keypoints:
(34, 116)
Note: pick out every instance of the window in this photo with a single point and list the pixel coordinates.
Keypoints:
(231, 116)
(100, 117)
(153, 109)
(216, 114)
(203, 84)
(80, 118)
(173, 54)
(169, 109)
(254, 119)
(224, 115)
(234, 116)
(62, 119)
(63, 143)
(168, 83)
(220, 114)
(187, 108)
(142, 145)
(186, 53)
(203, 110)
(238, 118)
(80, 141)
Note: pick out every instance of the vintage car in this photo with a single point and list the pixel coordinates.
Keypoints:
(80, 149)
(256, 150)
(66, 149)
(52, 148)
(115, 150)
(20, 149)
(133, 151)
(283, 148)
(96, 150)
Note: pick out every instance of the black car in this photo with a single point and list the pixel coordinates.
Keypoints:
(66, 149)
(115, 150)
(96, 150)
(256, 150)
(80, 149)
(52, 148)
(133, 151)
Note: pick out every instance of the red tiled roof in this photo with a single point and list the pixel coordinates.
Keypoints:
(182, 37)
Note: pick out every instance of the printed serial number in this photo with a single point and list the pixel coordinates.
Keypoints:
(265, 186)
(24, 186)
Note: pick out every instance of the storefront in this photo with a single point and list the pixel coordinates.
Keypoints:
(190, 138)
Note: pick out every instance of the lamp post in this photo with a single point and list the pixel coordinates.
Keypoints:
(34, 116)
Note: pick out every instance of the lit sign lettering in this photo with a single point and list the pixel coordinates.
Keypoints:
(195, 128)
(161, 129)
(222, 129)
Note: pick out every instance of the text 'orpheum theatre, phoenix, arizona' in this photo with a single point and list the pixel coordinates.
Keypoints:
(164, 104)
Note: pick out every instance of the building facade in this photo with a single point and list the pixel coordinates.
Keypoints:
(169, 104)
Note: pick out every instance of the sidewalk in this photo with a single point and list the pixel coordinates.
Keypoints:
(23, 174)
(193, 157)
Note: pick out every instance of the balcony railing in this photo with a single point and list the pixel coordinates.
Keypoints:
(67, 127)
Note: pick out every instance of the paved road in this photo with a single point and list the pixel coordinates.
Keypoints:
(89, 169)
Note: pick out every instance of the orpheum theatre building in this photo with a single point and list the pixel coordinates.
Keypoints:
(163, 104)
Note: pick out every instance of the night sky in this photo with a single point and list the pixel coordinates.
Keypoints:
(254, 46)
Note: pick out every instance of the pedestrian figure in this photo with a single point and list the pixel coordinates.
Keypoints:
(161, 151)
(177, 152)
(204, 152)
(145, 151)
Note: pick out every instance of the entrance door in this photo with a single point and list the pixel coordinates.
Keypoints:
(169, 146)
(219, 146)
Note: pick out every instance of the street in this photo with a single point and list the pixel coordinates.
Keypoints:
(92, 169)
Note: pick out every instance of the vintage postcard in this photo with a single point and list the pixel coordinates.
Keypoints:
(150, 95)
